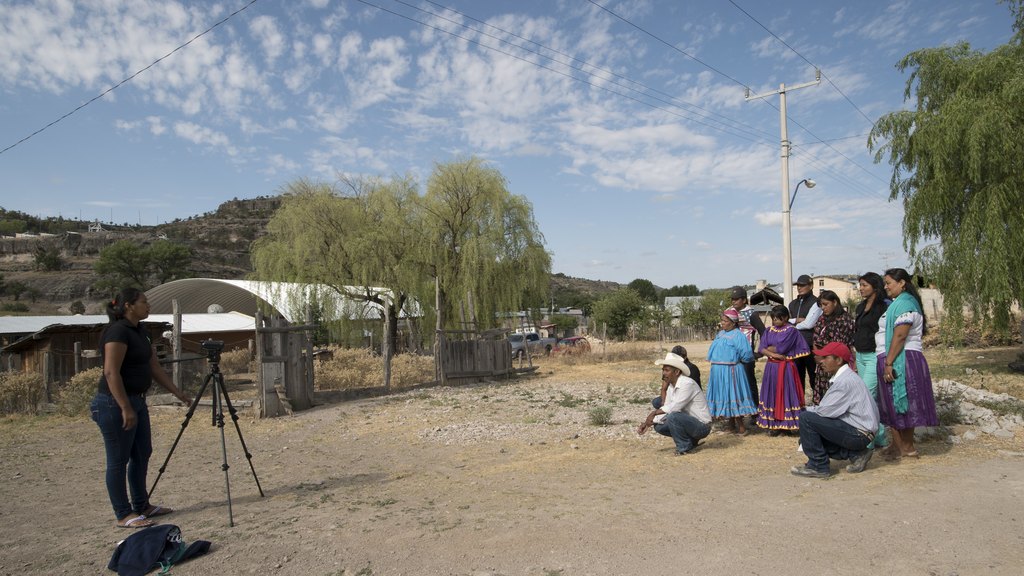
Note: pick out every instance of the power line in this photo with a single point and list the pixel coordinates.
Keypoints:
(130, 78)
(670, 45)
(570, 76)
(575, 59)
(784, 43)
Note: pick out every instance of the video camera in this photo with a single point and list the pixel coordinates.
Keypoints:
(213, 349)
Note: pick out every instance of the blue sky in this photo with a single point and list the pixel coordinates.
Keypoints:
(623, 122)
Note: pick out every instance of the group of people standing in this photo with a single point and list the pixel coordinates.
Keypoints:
(836, 379)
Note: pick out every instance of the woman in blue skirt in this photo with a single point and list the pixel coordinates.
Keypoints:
(728, 390)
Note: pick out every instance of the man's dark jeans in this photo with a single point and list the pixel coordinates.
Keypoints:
(684, 429)
(823, 438)
(128, 453)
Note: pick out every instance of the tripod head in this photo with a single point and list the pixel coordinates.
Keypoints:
(213, 349)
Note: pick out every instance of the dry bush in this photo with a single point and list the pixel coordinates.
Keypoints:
(408, 370)
(74, 398)
(21, 393)
(237, 362)
(359, 368)
(601, 352)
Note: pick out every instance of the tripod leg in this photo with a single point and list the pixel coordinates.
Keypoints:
(218, 420)
(184, 424)
(245, 449)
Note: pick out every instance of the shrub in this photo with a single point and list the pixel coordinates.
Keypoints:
(20, 393)
(947, 406)
(237, 362)
(600, 415)
(74, 398)
(350, 368)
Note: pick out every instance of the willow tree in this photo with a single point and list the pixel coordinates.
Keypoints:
(484, 248)
(957, 166)
(355, 239)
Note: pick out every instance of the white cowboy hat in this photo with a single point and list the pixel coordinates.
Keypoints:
(675, 361)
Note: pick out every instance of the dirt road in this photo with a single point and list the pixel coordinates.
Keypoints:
(511, 478)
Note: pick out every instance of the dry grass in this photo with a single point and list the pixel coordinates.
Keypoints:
(74, 398)
(238, 361)
(349, 369)
(982, 368)
(21, 393)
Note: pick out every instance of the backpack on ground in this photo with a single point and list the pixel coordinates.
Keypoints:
(154, 547)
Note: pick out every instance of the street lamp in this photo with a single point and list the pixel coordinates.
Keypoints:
(787, 287)
(806, 181)
(787, 242)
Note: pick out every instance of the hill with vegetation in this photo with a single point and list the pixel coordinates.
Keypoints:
(47, 264)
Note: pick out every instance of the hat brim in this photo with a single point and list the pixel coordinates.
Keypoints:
(681, 367)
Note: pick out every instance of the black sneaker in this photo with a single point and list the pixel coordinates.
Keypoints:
(859, 462)
(807, 472)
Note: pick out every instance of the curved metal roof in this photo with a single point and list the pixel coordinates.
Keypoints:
(287, 299)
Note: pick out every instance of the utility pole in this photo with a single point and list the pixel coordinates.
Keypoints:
(885, 258)
(787, 242)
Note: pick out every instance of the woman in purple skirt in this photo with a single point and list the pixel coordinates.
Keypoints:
(782, 395)
(906, 400)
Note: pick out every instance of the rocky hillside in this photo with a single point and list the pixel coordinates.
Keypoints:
(217, 241)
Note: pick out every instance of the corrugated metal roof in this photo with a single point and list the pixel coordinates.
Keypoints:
(197, 295)
(190, 323)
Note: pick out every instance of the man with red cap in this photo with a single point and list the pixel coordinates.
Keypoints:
(843, 424)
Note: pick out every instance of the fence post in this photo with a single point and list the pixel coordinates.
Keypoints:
(78, 357)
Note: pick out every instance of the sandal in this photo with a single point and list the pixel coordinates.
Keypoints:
(154, 511)
(139, 521)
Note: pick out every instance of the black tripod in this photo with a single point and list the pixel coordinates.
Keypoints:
(213, 348)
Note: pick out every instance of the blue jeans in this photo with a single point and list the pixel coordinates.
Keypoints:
(128, 453)
(684, 429)
(822, 438)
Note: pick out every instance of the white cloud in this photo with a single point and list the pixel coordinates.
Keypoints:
(271, 40)
(156, 125)
(204, 136)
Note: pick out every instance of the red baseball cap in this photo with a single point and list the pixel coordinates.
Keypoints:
(835, 349)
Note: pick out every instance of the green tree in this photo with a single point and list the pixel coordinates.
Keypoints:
(481, 244)
(168, 261)
(468, 237)
(77, 307)
(48, 258)
(956, 167)
(15, 289)
(704, 314)
(621, 311)
(564, 322)
(684, 290)
(123, 264)
(645, 288)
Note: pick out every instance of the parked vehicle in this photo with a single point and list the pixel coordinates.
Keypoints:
(537, 344)
(572, 345)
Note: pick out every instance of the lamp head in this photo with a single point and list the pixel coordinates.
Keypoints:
(810, 183)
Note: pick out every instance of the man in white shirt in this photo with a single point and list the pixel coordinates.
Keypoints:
(843, 424)
(681, 411)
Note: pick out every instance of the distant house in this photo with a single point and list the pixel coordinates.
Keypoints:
(672, 304)
(846, 286)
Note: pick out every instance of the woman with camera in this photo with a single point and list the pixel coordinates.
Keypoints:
(119, 408)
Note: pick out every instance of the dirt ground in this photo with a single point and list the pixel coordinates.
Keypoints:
(509, 478)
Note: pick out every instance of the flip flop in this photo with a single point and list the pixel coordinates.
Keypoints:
(157, 511)
(139, 521)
